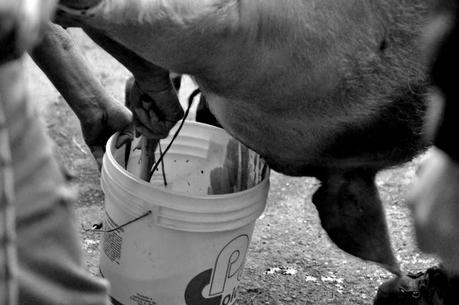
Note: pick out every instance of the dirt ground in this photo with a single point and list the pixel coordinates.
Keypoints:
(287, 236)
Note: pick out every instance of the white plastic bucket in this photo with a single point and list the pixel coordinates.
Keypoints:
(191, 247)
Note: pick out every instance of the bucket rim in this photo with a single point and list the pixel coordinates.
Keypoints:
(128, 175)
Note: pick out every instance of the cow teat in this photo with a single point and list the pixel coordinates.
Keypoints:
(352, 214)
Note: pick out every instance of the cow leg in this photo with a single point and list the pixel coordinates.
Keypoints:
(352, 214)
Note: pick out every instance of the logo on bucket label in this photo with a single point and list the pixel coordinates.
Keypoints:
(217, 286)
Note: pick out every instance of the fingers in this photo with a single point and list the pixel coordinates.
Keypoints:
(151, 125)
(98, 154)
(124, 137)
(155, 113)
(125, 128)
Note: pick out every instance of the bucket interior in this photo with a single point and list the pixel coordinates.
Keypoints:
(203, 160)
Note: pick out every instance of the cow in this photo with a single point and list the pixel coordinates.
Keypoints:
(332, 89)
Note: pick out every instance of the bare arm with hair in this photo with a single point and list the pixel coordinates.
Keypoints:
(161, 108)
(152, 98)
(99, 113)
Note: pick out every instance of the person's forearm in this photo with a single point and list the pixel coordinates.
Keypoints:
(63, 63)
(153, 82)
(151, 76)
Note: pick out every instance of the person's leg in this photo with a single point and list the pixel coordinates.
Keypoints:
(8, 264)
(50, 269)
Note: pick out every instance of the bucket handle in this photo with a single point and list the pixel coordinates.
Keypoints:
(98, 227)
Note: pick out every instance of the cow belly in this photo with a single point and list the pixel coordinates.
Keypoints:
(303, 145)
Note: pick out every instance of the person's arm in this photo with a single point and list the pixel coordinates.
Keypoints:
(434, 199)
(63, 63)
(160, 109)
(152, 98)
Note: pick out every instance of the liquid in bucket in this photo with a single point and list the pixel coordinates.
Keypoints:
(189, 244)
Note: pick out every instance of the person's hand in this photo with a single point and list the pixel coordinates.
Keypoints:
(434, 201)
(155, 112)
(101, 123)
